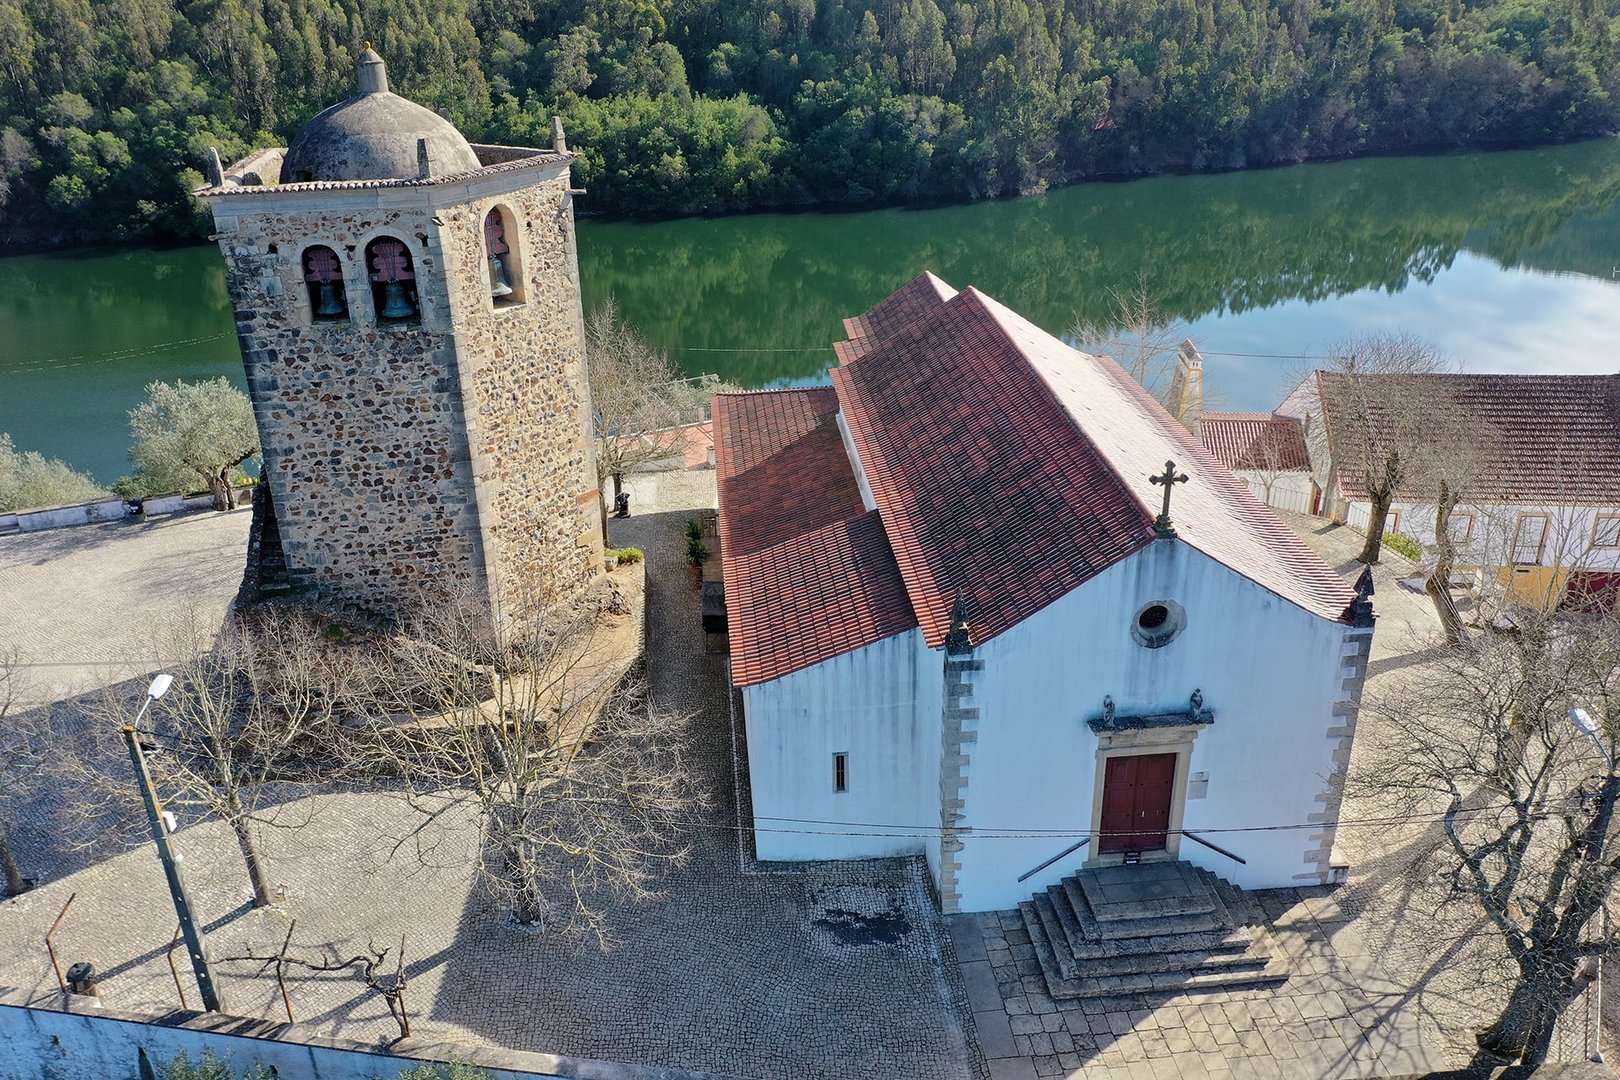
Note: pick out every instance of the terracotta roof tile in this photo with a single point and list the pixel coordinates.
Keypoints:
(984, 481)
(1546, 438)
(1256, 441)
(818, 595)
(1010, 465)
(1002, 462)
(809, 575)
(919, 297)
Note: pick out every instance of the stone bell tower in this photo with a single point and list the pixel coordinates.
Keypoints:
(409, 312)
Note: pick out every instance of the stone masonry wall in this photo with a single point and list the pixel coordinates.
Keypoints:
(522, 367)
(449, 455)
(362, 424)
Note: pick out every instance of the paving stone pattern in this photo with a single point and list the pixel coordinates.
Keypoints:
(82, 605)
(841, 971)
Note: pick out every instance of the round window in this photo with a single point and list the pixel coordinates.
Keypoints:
(1158, 623)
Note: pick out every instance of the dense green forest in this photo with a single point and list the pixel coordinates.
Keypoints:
(695, 106)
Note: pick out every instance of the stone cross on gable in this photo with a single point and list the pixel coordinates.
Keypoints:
(1162, 524)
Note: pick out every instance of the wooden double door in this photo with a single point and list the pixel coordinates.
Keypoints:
(1137, 793)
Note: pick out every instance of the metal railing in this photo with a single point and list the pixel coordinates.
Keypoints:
(1214, 847)
(1065, 853)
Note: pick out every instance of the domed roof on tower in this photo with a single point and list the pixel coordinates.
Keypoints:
(374, 136)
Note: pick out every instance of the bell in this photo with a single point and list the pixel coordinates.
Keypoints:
(499, 286)
(397, 301)
(331, 301)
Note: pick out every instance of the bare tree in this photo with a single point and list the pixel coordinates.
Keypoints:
(635, 423)
(578, 783)
(1138, 332)
(20, 755)
(1270, 456)
(1522, 801)
(253, 720)
(370, 967)
(1447, 459)
(1378, 416)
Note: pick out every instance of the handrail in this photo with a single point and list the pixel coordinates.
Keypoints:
(1084, 840)
(1214, 847)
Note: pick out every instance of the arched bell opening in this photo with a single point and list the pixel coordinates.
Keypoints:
(505, 261)
(323, 278)
(393, 281)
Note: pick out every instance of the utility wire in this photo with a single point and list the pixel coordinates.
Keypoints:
(83, 359)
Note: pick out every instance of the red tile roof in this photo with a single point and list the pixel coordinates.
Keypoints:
(1542, 438)
(1265, 442)
(921, 296)
(1002, 463)
(821, 594)
(808, 573)
(983, 480)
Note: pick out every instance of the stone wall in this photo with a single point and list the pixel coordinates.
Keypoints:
(449, 455)
(522, 367)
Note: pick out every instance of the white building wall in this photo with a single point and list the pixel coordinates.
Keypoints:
(1568, 539)
(881, 706)
(1269, 670)
(1289, 491)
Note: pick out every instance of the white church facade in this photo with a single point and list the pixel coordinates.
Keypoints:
(962, 623)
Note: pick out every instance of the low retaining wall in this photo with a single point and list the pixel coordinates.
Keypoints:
(91, 513)
(88, 1041)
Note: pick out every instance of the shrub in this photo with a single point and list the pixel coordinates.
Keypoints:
(694, 531)
(29, 480)
(1402, 544)
(455, 1070)
(628, 556)
(210, 1067)
(696, 550)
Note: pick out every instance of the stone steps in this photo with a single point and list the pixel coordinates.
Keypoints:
(1207, 935)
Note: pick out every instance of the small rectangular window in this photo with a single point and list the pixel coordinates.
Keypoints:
(841, 772)
(1607, 534)
(1529, 539)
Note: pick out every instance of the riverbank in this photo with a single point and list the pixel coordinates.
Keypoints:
(1503, 259)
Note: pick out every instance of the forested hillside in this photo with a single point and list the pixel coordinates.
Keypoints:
(691, 106)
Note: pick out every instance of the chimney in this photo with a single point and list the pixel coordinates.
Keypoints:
(1186, 400)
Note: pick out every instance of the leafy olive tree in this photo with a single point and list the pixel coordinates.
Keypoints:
(188, 434)
(29, 479)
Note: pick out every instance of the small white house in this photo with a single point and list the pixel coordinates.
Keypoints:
(963, 625)
(1267, 452)
(1540, 517)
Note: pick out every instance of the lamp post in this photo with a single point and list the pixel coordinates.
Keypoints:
(159, 819)
(1587, 726)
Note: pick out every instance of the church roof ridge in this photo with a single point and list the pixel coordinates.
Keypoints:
(1066, 438)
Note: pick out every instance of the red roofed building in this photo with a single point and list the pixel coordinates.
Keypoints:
(1539, 465)
(1266, 450)
(961, 626)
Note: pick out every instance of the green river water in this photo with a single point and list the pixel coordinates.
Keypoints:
(1507, 261)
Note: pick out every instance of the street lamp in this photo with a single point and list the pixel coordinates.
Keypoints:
(159, 820)
(1587, 726)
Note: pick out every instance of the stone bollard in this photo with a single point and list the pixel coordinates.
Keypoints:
(81, 979)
